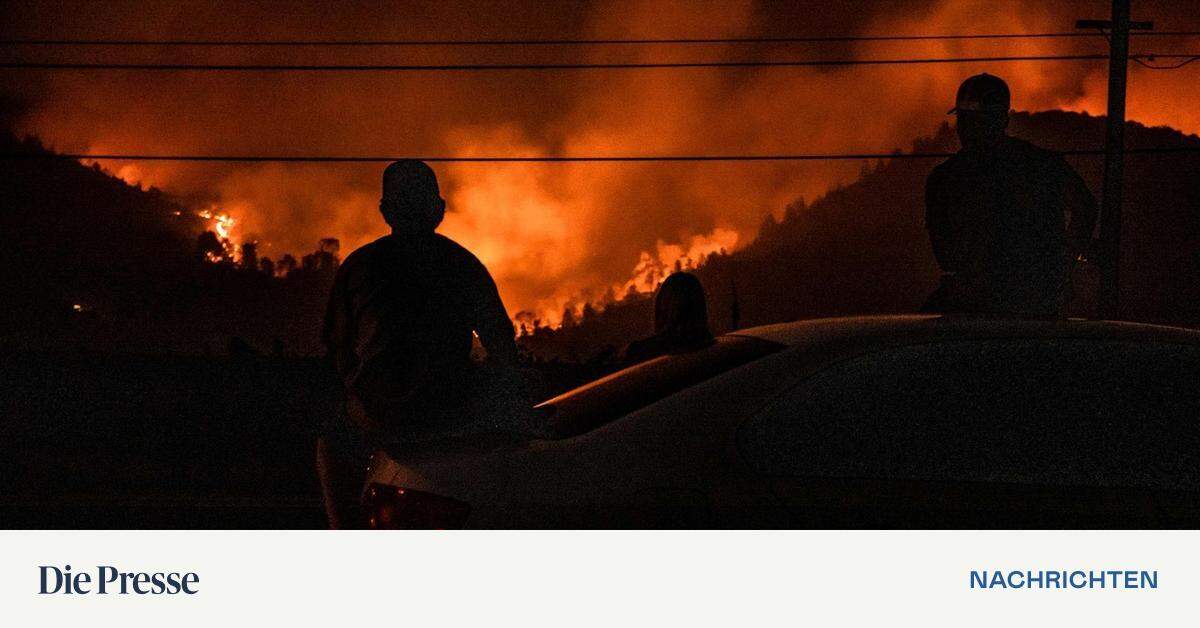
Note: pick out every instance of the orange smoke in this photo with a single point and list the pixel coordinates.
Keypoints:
(558, 235)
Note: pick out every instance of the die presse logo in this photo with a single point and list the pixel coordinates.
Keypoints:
(106, 580)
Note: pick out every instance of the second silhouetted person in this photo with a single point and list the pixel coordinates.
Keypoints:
(1006, 218)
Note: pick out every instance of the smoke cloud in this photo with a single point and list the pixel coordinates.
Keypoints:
(553, 234)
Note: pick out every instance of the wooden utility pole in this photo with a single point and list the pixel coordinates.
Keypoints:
(735, 308)
(1114, 152)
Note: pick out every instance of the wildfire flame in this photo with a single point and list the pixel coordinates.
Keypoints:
(564, 235)
(223, 225)
(652, 270)
(647, 275)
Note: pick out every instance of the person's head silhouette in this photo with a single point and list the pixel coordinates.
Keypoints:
(680, 312)
(981, 108)
(411, 202)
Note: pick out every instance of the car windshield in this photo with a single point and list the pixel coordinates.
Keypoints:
(604, 400)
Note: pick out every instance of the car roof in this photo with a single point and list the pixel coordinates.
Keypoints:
(915, 328)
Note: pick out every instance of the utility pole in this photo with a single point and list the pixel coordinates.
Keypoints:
(1114, 153)
(735, 308)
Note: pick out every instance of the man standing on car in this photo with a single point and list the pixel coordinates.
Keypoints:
(399, 329)
(1006, 218)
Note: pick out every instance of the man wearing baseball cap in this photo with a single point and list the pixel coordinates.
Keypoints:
(398, 329)
(1006, 219)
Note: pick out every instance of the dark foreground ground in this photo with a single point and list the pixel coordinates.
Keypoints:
(90, 441)
(118, 441)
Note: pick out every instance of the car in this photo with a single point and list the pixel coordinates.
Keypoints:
(906, 421)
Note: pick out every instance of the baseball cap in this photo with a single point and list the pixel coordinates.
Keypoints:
(982, 92)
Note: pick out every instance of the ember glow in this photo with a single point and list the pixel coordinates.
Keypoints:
(223, 225)
(557, 235)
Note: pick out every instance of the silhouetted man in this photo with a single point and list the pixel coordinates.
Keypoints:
(1006, 218)
(399, 329)
(680, 320)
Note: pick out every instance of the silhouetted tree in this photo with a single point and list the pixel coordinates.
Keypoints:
(768, 226)
(568, 319)
(609, 296)
(330, 246)
(286, 265)
(250, 256)
(326, 255)
(208, 247)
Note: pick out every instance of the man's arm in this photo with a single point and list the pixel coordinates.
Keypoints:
(509, 406)
(337, 331)
(495, 330)
(1079, 207)
(937, 223)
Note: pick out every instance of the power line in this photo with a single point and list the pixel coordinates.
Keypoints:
(1174, 66)
(1151, 57)
(556, 42)
(546, 159)
(209, 67)
(206, 67)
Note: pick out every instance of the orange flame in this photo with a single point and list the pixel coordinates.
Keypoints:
(561, 235)
(224, 226)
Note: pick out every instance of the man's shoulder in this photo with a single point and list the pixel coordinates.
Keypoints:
(434, 252)
(945, 167)
(945, 170)
(1028, 151)
(366, 252)
(365, 257)
(454, 251)
(1015, 152)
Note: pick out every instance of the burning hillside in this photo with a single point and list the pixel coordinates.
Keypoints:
(555, 235)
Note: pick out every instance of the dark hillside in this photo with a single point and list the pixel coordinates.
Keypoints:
(863, 248)
(89, 261)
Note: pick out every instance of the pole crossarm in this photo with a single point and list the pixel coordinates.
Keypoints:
(1118, 26)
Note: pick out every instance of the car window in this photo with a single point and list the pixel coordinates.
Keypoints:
(1057, 412)
(599, 402)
